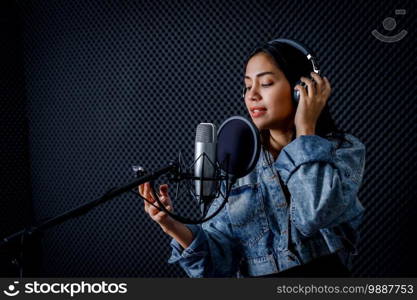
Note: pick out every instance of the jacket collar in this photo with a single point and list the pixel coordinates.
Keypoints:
(262, 162)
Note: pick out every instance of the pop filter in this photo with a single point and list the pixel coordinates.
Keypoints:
(238, 146)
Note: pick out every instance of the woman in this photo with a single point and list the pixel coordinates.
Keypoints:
(297, 212)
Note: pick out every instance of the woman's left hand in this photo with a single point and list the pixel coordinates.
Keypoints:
(311, 103)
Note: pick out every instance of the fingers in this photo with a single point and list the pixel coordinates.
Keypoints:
(154, 211)
(161, 215)
(149, 193)
(323, 84)
(319, 81)
(311, 86)
(141, 193)
(166, 201)
(145, 206)
(146, 192)
(140, 189)
(302, 90)
(317, 86)
(163, 190)
(328, 87)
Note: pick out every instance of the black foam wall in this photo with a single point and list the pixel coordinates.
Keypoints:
(15, 180)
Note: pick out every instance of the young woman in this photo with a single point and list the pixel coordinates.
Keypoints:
(297, 213)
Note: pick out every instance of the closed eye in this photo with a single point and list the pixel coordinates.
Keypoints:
(263, 85)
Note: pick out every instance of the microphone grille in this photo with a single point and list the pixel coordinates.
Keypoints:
(206, 133)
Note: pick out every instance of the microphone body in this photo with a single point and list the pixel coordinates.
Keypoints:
(205, 161)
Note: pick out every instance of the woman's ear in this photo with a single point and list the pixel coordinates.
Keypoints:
(243, 92)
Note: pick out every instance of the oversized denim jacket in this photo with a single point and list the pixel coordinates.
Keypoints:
(261, 232)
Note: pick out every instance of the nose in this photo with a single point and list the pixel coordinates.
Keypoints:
(253, 94)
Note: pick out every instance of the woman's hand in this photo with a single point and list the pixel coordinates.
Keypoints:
(311, 103)
(159, 216)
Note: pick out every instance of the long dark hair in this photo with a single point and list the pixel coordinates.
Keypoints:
(294, 64)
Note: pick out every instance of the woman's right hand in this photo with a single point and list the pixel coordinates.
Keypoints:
(159, 216)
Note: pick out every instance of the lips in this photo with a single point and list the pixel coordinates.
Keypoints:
(257, 111)
(257, 108)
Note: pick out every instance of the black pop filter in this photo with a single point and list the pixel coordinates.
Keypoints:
(238, 144)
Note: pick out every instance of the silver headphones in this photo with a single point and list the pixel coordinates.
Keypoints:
(310, 57)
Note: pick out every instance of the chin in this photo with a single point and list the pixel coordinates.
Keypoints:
(259, 125)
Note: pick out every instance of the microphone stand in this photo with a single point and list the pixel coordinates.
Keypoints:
(84, 208)
(22, 234)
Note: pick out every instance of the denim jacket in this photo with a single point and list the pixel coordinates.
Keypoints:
(260, 231)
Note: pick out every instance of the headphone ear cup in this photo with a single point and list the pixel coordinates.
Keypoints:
(296, 97)
(296, 93)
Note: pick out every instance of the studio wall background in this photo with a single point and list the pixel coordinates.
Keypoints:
(107, 84)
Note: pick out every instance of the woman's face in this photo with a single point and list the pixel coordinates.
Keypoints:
(268, 89)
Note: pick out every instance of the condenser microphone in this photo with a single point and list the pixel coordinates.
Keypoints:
(205, 161)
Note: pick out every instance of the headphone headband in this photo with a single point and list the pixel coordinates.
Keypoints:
(303, 49)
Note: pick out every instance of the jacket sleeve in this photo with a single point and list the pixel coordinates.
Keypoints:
(323, 181)
(213, 251)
